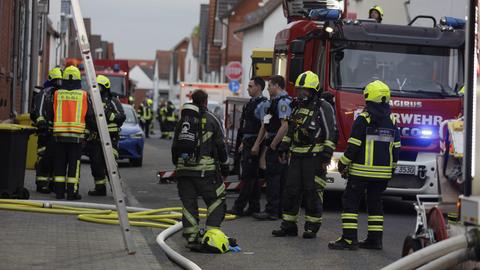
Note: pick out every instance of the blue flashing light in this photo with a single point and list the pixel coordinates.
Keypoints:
(325, 14)
(455, 23)
(426, 133)
(116, 67)
(81, 67)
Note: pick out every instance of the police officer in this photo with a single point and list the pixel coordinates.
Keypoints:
(250, 123)
(168, 125)
(376, 13)
(44, 168)
(200, 176)
(274, 127)
(70, 113)
(146, 116)
(115, 117)
(369, 161)
(311, 141)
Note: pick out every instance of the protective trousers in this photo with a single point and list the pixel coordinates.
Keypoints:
(146, 127)
(275, 177)
(97, 160)
(168, 128)
(44, 168)
(356, 188)
(66, 167)
(305, 182)
(251, 190)
(212, 191)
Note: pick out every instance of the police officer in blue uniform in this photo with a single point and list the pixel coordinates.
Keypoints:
(274, 128)
(250, 124)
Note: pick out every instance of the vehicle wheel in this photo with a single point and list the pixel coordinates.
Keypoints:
(136, 162)
(4, 195)
(410, 245)
(23, 194)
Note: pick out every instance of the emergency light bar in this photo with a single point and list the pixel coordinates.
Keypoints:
(325, 14)
(455, 23)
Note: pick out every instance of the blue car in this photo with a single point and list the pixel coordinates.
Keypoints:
(132, 138)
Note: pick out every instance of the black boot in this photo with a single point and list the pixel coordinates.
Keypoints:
(100, 190)
(286, 229)
(59, 191)
(371, 243)
(72, 192)
(42, 187)
(309, 234)
(343, 244)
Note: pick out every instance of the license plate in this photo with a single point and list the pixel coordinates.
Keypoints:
(405, 169)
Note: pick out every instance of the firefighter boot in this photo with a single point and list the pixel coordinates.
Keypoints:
(43, 187)
(59, 190)
(371, 243)
(311, 230)
(72, 192)
(100, 190)
(343, 244)
(286, 229)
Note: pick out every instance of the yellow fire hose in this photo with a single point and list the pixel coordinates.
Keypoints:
(156, 218)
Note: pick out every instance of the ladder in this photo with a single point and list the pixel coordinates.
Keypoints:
(94, 92)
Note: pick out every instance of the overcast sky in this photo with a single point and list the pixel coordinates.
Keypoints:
(140, 27)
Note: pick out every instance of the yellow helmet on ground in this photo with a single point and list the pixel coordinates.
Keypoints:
(461, 92)
(72, 73)
(149, 102)
(309, 80)
(216, 240)
(104, 81)
(377, 92)
(378, 9)
(55, 73)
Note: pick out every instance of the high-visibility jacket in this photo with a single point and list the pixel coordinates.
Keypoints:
(372, 151)
(170, 113)
(145, 112)
(70, 108)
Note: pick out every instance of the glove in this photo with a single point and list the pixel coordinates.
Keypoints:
(325, 157)
(225, 170)
(42, 127)
(343, 170)
(283, 148)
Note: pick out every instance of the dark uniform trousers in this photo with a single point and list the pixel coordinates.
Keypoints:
(97, 160)
(67, 166)
(356, 188)
(212, 190)
(305, 182)
(251, 190)
(44, 167)
(275, 178)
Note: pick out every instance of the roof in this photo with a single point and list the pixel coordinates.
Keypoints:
(183, 42)
(164, 59)
(195, 45)
(140, 62)
(148, 71)
(225, 6)
(258, 16)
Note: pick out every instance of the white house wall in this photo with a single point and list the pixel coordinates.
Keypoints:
(191, 65)
(54, 16)
(452, 8)
(395, 12)
(141, 79)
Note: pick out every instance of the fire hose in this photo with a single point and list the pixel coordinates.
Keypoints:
(163, 218)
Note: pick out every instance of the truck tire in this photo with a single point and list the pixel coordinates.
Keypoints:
(410, 245)
(136, 162)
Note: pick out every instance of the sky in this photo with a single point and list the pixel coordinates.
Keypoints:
(140, 27)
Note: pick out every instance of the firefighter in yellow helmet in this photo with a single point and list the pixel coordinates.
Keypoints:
(310, 141)
(44, 166)
(115, 117)
(146, 116)
(368, 162)
(71, 113)
(376, 13)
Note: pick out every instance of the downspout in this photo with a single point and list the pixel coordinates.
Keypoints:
(16, 37)
(33, 50)
(25, 92)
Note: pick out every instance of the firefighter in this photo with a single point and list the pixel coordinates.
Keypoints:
(131, 100)
(274, 127)
(250, 123)
(71, 113)
(115, 117)
(161, 116)
(200, 156)
(368, 162)
(168, 125)
(311, 141)
(376, 13)
(146, 116)
(44, 168)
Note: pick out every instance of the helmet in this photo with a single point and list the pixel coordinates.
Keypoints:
(378, 9)
(149, 101)
(377, 92)
(461, 92)
(72, 73)
(103, 81)
(309, 80)
(216, 240)
(55, 73)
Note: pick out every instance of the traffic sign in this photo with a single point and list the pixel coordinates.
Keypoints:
(234, 86)
(233, 71)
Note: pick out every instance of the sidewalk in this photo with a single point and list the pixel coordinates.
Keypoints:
(49, 241)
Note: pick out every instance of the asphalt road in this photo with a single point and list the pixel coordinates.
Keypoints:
(259, 249)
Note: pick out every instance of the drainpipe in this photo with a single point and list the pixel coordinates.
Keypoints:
(16, 37)
(26, 36)
(34, 50)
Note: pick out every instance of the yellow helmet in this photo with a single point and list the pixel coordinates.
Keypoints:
(377, 92)
(309, 80)
(104, 81)
(149, 102)
(55, 73)
(378, 9)
(72, 73)
(217, 240)
(461, 92)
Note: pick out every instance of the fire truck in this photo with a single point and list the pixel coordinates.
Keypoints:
(115, 70)
(423, 66)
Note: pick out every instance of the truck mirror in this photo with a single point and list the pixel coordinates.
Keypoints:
(297, 46)
(296, 68)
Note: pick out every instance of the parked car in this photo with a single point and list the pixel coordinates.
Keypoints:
(132, 138)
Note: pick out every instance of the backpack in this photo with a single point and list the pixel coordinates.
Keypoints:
(189, 136)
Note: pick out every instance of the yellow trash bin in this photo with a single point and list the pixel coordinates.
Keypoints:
(24, 119)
